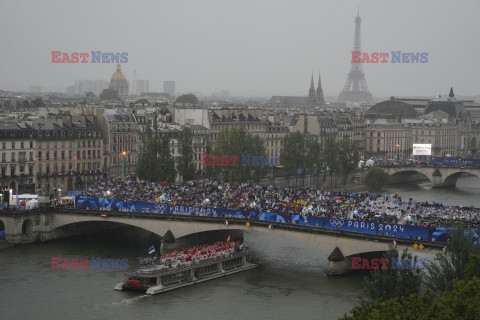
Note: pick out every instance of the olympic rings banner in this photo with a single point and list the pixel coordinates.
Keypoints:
(376, 228)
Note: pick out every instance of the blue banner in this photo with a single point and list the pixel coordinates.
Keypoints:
(2, 234)
(375, 228)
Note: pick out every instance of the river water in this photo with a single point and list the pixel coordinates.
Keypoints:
(289, 284)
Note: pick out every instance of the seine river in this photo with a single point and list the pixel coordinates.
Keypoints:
(289, 284)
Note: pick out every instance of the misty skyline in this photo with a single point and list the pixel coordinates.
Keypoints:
(260, 48)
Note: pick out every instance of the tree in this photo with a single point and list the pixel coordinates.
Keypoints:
(185, 164)
(461, 303)
(473, 267)
(394, 282)
(238, 142)
(330, 156)
(209, 170)
(377, 178)
(411, 307)
(348, 156)
(109, 94)
(187, 98)
(167, 162)
(294, 152)
(148, 167)
(155, 162)
(452, 264)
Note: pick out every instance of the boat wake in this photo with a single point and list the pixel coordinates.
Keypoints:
(130, 301)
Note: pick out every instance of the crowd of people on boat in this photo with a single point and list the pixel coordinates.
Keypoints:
(194, 254)
(285, 200)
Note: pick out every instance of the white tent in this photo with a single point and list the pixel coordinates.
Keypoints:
(370, 163)
(31, 204)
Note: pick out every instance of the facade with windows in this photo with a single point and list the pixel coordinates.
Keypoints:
(122, 131)
(50, 156)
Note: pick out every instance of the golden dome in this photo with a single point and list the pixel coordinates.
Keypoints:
(118, 75)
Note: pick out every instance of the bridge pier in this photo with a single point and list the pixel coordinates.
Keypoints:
(437, 181)
(337, 264)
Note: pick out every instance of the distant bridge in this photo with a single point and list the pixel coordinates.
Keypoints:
(56, 223)
(439, 176)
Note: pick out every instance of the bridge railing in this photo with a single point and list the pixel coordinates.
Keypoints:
(308, 221)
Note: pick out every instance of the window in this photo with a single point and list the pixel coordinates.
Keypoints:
(22, 145)
(13, 157)
(13, 145)
(4, 157)
(31, 156)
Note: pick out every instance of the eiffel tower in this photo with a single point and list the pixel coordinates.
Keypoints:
(355, 89)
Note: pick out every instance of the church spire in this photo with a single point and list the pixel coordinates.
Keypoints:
(319, 93)
(311, 92)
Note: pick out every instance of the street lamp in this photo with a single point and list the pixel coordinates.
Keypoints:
(124, 155)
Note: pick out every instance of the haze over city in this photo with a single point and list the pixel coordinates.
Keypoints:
(251, 48)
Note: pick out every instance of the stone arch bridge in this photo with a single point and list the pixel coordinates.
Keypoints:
(438, 176)
(34, 226)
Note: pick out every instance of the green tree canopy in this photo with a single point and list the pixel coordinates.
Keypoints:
(155, 162)
(393, 282)
(299, 151)
(330, 155)
(209, 171)
(235, 142)
(185, 164)
(461, 303)
(187, 98)
(452, 264)
(348, 156)
(377, 178)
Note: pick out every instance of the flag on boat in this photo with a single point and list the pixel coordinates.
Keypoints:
(226, 222)
(228, 239)
(394, 243)
(104, 215)
(270, 227)
(151, 250)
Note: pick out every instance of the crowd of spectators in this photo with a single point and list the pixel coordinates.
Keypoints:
(285, 200)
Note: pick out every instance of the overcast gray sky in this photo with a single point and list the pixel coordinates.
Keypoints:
(249, 47)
